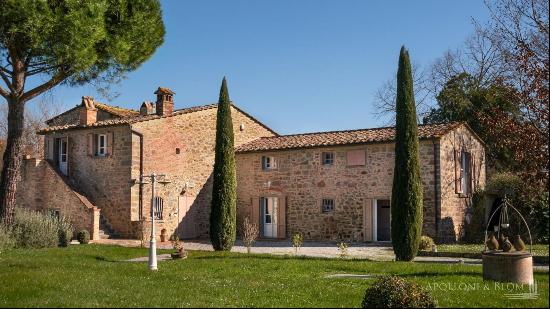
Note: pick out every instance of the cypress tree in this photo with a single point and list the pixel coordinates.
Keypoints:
(406, 202)
(223, 215)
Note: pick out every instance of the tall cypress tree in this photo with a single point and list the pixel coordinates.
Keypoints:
(223, 215)
(406, 202)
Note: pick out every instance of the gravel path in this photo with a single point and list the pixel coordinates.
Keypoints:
(373, 251)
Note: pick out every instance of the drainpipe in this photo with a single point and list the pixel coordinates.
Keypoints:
(437, 185)
(140, 135)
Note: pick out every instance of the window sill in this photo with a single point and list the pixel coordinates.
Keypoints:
(464, 195)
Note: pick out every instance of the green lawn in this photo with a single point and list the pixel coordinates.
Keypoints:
(477, 248)
(94, 276)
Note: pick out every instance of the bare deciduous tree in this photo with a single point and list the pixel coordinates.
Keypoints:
(384, 98)
(35, 118)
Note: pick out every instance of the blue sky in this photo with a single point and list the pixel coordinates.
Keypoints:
(298, 66)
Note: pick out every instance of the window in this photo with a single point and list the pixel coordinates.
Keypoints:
(465, 172)
(328, 158)
(101, 144)
(269, 163)
(327, 205)
(55, 213)
(158, 208)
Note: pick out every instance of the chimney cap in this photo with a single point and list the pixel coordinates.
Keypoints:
(88, 102)
(162, 90)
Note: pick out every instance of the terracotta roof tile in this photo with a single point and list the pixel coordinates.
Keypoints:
(118, 111)
(127, 120)
(333, 138)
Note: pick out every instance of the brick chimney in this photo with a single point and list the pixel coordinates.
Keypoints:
(147, 108)
(88, 112)
(165, 101)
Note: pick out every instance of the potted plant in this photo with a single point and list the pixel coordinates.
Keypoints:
(163, 235)
(180, 251)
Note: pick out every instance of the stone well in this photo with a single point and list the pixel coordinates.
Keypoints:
(514, 266)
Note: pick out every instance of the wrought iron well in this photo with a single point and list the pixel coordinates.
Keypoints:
(503, 264)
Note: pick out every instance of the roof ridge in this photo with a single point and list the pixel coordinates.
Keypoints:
(364, 129)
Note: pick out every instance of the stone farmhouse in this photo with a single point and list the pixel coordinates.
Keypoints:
(326, 185)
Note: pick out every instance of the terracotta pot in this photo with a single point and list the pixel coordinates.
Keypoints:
(518, 243)
(506, 245)
(492, 242)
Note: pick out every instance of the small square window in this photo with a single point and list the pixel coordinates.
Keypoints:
(328, 158)
(269, 163)
(327, 205)
(178, 151)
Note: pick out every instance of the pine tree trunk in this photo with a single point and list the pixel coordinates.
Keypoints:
(12, 160)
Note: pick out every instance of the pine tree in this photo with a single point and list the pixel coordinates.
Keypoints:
(406, 202)
(223, 215)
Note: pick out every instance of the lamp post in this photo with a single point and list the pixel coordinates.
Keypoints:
(153, 242)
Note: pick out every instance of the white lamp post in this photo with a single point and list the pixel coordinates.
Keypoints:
(153, 240)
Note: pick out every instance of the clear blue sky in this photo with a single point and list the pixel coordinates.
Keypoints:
(298, 66)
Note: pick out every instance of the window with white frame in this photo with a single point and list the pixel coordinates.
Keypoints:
(269, 163)
(327, 205)
(327, 158)
(101, 144)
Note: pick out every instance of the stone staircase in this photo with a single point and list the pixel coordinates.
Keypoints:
(106, 231)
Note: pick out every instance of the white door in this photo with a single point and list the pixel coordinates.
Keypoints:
(63, 155)
(269, 214)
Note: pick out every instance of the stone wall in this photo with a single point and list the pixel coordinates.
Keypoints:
(304, 181)
(105, 181)
(182, 147)
(34, 191)
(455, 207)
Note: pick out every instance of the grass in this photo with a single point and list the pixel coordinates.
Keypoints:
(541, 250)
(95, 276)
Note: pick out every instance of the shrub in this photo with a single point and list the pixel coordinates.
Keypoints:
(426, 243)
(474, 229)
(32, 229)
(540, 216)
(250, 232)
(343, 250)
(395, 292)
(83, 237)
(297, 241)
(65, 232)
(6, 239)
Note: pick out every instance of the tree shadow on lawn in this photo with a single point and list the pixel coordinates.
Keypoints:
(267, 256)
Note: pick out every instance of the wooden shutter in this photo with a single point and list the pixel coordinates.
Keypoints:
(458, 183)
(255, 211)
(90, 145)
(281, 218)
(68, 156)
(472, 172)
(109, 151)
(51, 146)
(273, 163)
(367, 220)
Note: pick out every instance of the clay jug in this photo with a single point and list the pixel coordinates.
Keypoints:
(518, 243)
(506, 245)
(501, 240)
(492, 242)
